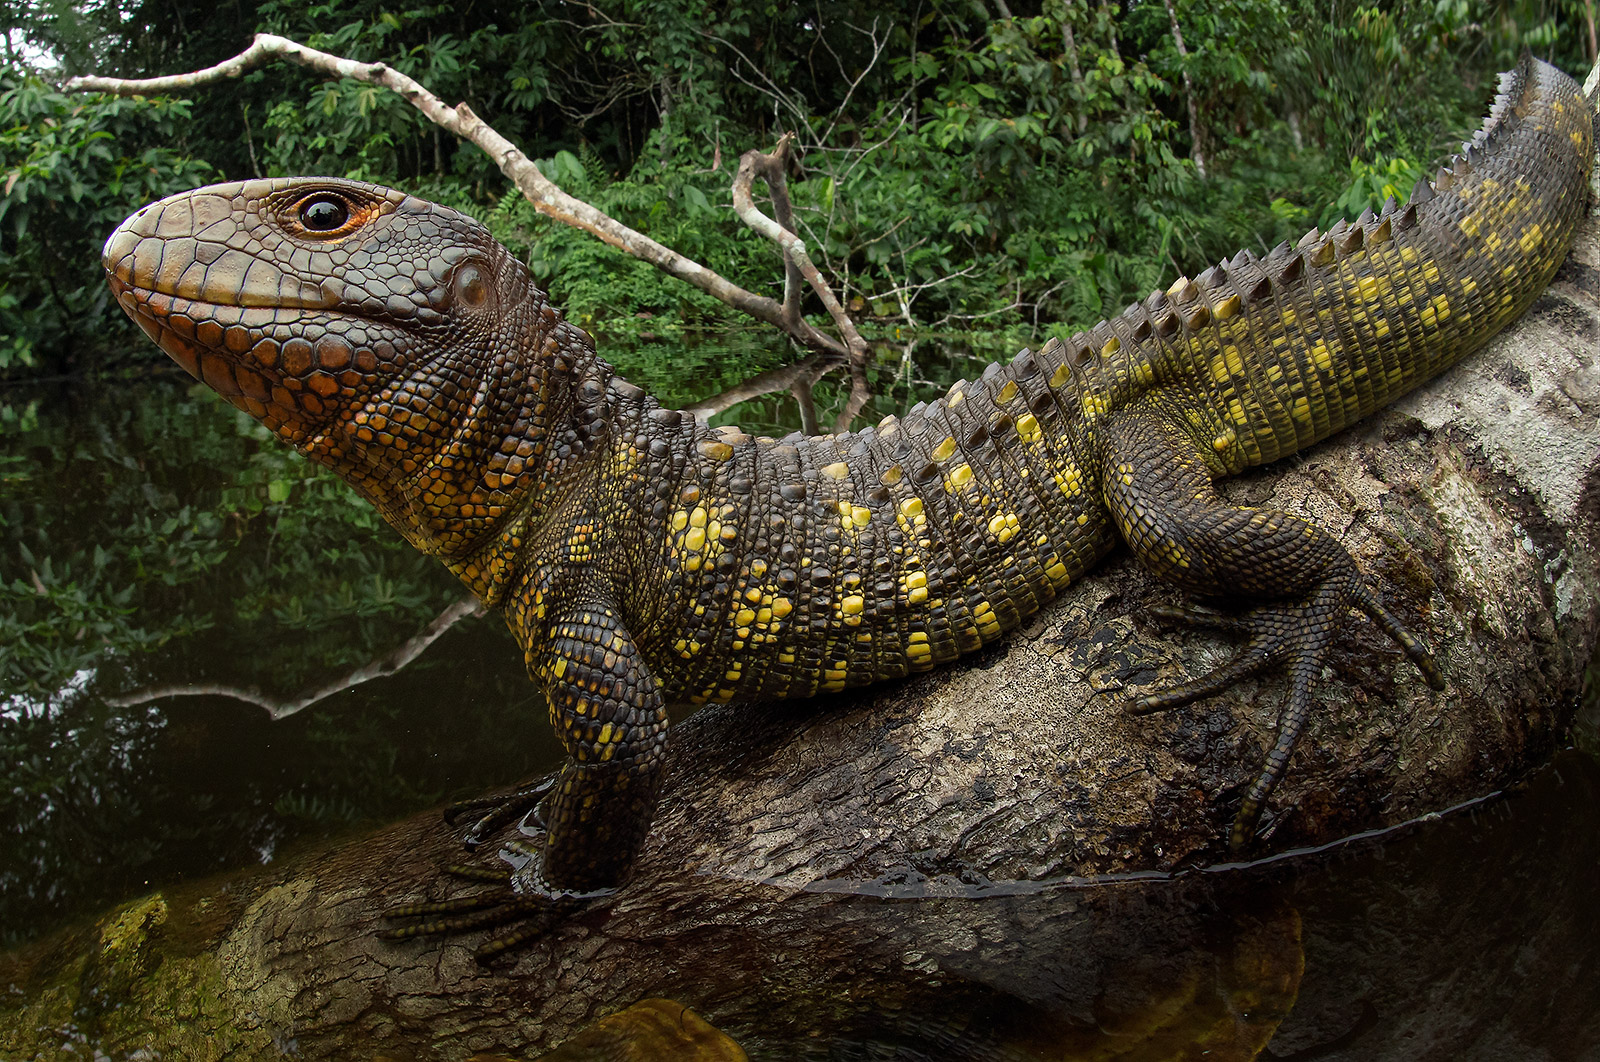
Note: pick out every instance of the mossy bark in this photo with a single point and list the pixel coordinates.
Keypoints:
(880, 858)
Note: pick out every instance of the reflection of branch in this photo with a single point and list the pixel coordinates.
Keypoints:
(545, 196)
(283, 707)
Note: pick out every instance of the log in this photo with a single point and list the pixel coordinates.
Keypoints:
(977, 860)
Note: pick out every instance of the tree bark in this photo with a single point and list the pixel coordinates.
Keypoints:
(895, 858)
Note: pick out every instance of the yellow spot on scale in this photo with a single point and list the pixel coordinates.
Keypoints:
(944, 449)
(1004, 527)
(1320, 356)
(960, 477)
(1028, 428)
(852, 605)
(837, 470)
(1007, 393)
(911, 508)
(717, 451)
(1531, 239)
(917, 595)
(1060, 377)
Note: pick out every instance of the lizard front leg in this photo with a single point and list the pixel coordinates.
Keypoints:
(608, 712)
(1159, 491)
(609, 715)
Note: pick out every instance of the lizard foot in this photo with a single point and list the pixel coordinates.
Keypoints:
(492, 812)
(518, 898)
(1298, 636)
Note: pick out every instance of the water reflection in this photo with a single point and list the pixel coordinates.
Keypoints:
(152, 536)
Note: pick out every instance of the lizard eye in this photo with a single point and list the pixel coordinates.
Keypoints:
(324, 213)
(469, 287)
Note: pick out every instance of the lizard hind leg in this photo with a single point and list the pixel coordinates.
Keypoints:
(1158, 489)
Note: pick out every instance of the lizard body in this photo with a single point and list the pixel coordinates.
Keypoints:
(643, 559)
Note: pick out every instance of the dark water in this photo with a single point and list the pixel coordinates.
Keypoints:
(150, 536)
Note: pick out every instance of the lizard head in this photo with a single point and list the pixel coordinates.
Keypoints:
(389, 338)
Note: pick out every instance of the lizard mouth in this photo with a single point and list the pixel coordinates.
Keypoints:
(257, 357)
(210, 340)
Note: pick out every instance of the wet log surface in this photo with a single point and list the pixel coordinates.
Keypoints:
(903, 866)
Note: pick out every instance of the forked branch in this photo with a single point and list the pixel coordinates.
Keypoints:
(771, 168)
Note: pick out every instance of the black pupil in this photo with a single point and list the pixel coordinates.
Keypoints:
(324, 214)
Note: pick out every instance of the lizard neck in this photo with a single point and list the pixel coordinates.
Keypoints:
(518, 432)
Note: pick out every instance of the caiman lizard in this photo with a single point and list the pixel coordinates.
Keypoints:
(643, 559)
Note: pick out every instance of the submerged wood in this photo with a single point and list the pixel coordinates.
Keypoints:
(887, 858)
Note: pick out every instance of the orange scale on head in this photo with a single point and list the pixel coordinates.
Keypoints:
(209, 333)
(265, 353)
(333, 353)
(251, 383)
(296, 357)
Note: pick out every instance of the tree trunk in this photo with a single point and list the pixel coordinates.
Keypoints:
(910, 858)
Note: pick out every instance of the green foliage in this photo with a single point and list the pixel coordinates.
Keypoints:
(74, 167)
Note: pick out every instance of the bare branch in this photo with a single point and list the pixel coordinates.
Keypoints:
(855, 83)
(283, 707)
(797, 375)
(770, 168)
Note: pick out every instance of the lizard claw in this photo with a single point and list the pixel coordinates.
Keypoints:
(1300, 636)
(518, 901)
(499, 810)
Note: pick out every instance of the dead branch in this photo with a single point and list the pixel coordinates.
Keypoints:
(283, 707)
(770, 168)
(545, 195)
(797, 378)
